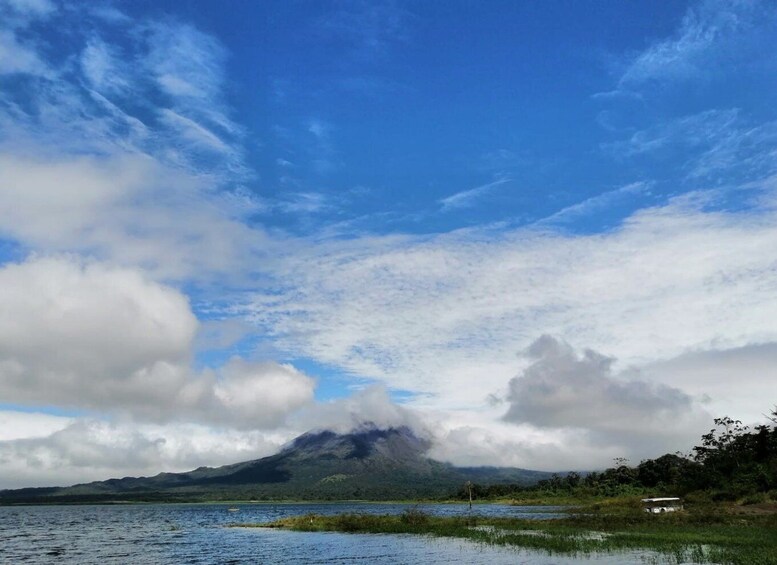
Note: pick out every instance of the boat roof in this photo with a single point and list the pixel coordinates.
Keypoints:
(662, 499)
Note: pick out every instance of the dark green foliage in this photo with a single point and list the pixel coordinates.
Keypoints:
(735, 461)
(732, 463)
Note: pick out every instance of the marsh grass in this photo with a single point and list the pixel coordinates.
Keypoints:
(706, 535)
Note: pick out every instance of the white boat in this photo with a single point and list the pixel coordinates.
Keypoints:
(662, 504)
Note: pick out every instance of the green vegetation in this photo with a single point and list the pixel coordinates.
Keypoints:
(733, 463)
(702, 535)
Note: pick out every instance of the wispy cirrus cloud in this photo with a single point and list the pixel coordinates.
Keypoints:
(468, 198)
(599, 203)
(724, 145)
(714, 36)
(368, 28)
(16, 57)
(697, 131)
(20, 56)
(29, 8)
(304, 202)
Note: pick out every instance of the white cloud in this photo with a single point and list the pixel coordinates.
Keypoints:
(695, 131)
(31, 7)
(91, 450)
(467, 198)
(710, 33)
(102, 67)
(561, 389)
(109, 340)
(194, 133)
(89, 169)
(718, 147)
(128, 209)
(319, 129)
(488, 443)
(321, 151)
(598, 203)
(304, 202)
(371, 406)
(18, 58)
(23, 425)
(252, 395)
(446, 314)
(90, 336)
(741, 380)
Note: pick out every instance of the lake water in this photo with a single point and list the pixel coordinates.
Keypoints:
(198, 533)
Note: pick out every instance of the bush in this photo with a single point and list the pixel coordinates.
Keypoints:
(755, 498)
(414, 517)
(350, 522)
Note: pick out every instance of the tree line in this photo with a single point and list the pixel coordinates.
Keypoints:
(733, 461)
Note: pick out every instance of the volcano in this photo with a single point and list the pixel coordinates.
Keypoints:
(367, 464)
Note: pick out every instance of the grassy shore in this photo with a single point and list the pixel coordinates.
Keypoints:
(709, 534)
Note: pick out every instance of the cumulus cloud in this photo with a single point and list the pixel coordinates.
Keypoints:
(561, 389)
(107, 339)
(254, 395)
(90, 335)
(570, 410)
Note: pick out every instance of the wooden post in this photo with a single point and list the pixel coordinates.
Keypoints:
(469, 489)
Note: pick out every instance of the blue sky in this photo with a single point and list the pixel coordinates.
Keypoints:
(244, 220)
(347, 109)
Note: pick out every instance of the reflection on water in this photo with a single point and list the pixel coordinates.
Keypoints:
(194, 533)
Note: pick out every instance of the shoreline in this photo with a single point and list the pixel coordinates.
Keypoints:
(708, 534)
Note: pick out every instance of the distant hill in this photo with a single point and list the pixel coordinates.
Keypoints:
(370, 464)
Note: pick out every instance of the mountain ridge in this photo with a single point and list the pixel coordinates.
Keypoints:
(368, 463)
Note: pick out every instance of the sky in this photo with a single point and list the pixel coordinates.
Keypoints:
(541, 234)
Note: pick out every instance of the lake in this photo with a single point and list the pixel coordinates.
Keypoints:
(199, 533)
